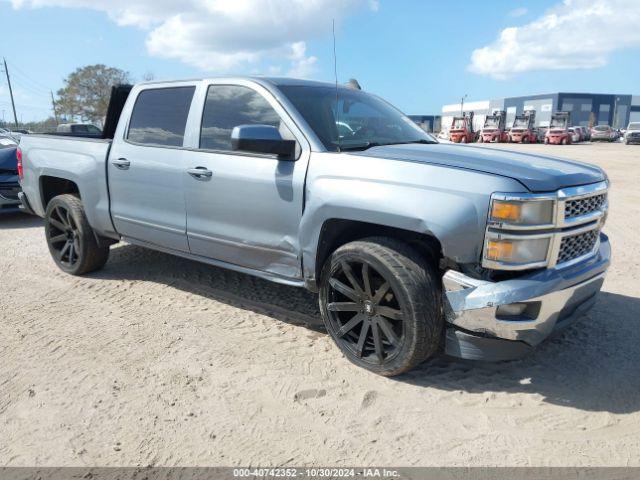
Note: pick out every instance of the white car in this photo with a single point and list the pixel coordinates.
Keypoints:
(632, 134)
(575, 135)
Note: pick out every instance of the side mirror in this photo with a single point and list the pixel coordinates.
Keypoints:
(262, 139)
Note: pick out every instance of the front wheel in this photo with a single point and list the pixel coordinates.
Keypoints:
(381, 303)
(70, 238)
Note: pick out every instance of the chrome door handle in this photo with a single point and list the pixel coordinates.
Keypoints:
(200, 172)
(122, 163)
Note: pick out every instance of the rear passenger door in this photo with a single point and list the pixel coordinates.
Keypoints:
(248, 211)
(146, 168)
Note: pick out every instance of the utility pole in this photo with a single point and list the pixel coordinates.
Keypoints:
(13, 104)
(462, 105)
(55, 113)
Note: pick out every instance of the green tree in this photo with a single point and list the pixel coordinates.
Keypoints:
(86, 92)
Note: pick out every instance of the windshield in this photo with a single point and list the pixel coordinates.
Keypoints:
(602, 128)
(492, 122)
(521, 123)
(559, 122)
(634, 126)
(356, 120)
(458, 124)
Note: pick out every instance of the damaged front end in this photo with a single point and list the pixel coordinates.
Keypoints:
(557, 256)
(496, 321)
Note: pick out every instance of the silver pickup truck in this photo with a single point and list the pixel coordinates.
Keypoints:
(415, 247)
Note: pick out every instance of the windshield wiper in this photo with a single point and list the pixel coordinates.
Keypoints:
(358, 146)
(366, 145)
(422, 140)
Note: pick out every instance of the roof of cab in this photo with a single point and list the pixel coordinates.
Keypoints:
(276, 81)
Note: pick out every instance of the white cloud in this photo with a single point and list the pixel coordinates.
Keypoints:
(577, 34)
(225, 35)
(518, 12)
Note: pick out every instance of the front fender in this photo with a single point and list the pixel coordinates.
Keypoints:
(446, 203)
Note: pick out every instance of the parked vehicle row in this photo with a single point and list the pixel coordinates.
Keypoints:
(523, 130)
(415, 247)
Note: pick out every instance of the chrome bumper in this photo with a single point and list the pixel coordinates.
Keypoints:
(525, 310)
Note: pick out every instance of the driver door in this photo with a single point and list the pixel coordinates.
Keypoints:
(247, 210)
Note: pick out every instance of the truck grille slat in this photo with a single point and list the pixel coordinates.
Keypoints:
(584, 206)
(576, 246)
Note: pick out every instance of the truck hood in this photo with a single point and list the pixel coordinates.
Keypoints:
(536, 172)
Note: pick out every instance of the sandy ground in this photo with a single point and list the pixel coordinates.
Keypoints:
(157, 360)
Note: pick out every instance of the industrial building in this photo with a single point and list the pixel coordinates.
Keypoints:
(429, 123)
(587, 109)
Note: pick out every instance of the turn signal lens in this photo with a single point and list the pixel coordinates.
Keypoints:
(499, 250)
(517, 251)
(505, 211)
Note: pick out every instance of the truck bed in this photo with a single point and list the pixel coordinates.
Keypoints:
(79, 160)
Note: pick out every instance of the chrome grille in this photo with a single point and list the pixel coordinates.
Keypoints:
(578, 245)
(584, 206)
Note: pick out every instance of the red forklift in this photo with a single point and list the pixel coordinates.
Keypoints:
(524, 128)
(462, 129)
(558, 132)
(494, 128)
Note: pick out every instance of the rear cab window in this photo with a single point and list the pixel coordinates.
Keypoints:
(159, 116)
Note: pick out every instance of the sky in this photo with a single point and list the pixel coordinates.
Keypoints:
(418, 54)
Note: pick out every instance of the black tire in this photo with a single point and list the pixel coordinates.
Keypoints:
(390, 323)
(70, 238)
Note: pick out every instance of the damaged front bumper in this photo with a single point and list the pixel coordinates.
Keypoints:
(496, 321)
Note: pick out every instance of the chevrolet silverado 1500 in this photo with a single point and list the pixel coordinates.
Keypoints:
(415, 247)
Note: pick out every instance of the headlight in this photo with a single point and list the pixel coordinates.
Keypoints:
(512, 252)
(522, 213)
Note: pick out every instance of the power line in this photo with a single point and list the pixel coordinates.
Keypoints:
(21, 73)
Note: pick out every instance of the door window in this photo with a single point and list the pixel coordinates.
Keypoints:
(228, 106)
(159, 116)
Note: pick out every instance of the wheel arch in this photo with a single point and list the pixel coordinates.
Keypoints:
(52, 186)
(336, 232)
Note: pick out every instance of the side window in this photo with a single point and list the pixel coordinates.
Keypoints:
(159, 116)
(228, 106)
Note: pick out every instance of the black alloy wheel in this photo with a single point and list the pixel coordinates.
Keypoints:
(381, 303)
(64, 236)
(365, 312)
(72, 242)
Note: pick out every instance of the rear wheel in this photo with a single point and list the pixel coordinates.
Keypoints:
(70, 238)
(381, 303)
